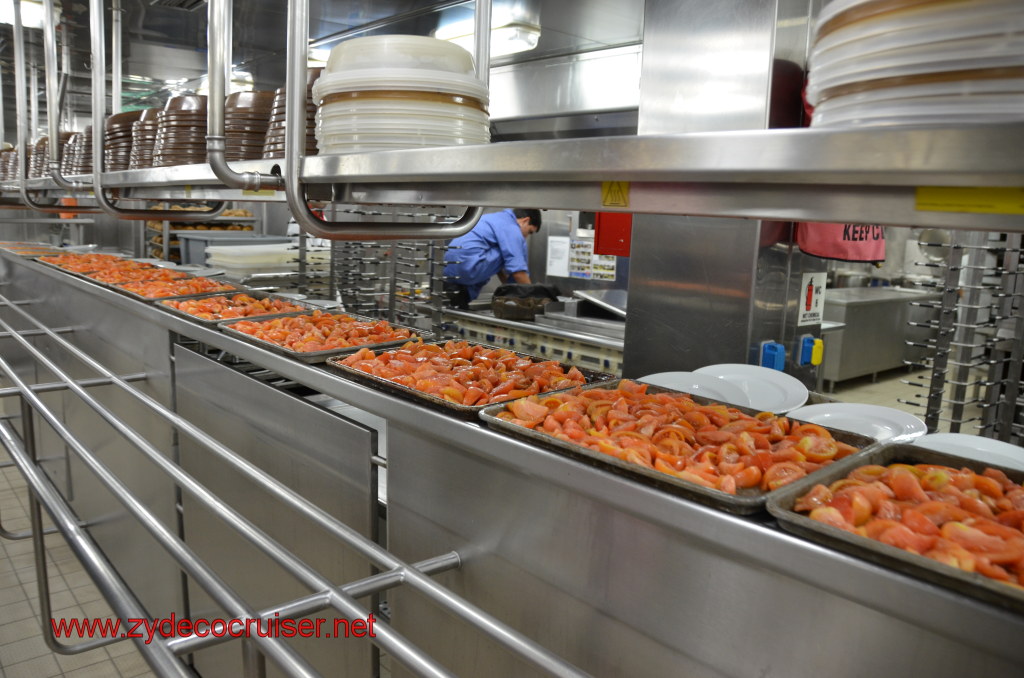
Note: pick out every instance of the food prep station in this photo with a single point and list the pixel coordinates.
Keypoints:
(197, 472)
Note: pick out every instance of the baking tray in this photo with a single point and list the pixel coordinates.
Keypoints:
(968, 583)
(744, 502)
(236, 288)
(252, 293)
(318, 356)
(463, 411)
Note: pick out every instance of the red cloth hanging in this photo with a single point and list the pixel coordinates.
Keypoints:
(845, 242)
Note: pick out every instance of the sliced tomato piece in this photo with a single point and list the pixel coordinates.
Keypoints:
(781, 474)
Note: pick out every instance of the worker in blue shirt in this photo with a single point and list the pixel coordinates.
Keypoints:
(496, 245)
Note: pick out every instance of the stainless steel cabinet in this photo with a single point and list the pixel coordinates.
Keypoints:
(312, 450)
(876, 332)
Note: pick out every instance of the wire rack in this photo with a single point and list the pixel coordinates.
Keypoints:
(974, 352)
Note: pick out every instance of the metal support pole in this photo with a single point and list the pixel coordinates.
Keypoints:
(295, 142)
(219, 71)
(482, 40)
(115, 58)
(99, 106)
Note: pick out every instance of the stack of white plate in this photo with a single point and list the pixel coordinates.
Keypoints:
(917, 62)
(384, 92)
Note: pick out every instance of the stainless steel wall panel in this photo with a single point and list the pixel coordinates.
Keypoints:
(706, 290)
(602, 80)
(324, 456)
(691, 287)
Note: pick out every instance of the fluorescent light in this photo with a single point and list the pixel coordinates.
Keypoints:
(507, 35)
(31, 13)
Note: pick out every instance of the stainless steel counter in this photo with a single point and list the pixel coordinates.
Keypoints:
(876, 330)
(618, 578)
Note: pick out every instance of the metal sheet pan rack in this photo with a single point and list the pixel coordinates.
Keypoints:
(974, 386)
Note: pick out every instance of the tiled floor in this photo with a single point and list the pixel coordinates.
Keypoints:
(22, 651)
(23, 654)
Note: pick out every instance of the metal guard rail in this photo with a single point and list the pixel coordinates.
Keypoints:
(324, 594)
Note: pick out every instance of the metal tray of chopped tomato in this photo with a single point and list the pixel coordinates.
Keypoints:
(62, 269)
(969, 583)
(744, 502)
(458, 409)
(318, 356)
(304, 307)
(233, 288)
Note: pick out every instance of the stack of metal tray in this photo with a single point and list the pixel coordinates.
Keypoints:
(972, 584)
(309, 308)
(317, 356)
(744, 502)
(457, 409)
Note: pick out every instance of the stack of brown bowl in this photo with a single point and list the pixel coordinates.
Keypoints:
(181, 132)
(38, 157)
(8, 164)
(143, 138)
(77, 157)
(117, 144)
(273, 146)
(246, 117)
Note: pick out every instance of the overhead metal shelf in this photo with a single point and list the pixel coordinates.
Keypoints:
(851, 175)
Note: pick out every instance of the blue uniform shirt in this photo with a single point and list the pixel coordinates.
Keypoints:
(496, 243)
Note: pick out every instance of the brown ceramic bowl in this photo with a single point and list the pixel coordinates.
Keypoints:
(248, 101)
(122, 119)
(186, 102)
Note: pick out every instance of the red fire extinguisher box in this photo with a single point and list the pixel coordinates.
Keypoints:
(612, 233)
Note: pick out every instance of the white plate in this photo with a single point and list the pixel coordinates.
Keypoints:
(875, 421)
(197, 270)
(766, 389)
(703, 385)
(161, 263)
(985, 450)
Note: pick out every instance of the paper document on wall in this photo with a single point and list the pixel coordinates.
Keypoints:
(558, 256)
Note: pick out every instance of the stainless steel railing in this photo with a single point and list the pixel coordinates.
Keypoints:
(324, 593)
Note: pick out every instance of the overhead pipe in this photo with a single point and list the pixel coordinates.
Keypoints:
(99, 100)
(295, 142)
(22, 121)
(55, 91)
(218, 40)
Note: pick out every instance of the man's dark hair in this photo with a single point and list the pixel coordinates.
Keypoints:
(534, 216)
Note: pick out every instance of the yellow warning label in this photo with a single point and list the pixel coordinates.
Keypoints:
(974, 200)
(615, 193)
(264, 192)
(188, 190)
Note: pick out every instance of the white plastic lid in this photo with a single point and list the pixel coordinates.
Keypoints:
(376, 52)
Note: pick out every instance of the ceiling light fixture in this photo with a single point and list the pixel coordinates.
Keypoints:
(31, 13)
